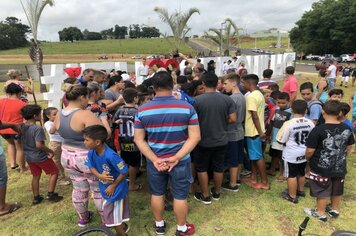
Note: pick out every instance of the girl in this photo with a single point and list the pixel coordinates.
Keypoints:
(55, 142)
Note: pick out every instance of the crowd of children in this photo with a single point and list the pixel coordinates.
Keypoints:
(308, 138)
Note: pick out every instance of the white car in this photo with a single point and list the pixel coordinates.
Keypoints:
(347, 58)
(312, 57)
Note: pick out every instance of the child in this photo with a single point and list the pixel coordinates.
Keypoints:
(38, 156)
(282, 114)
(55, 142)
(336, 94)
(110, 169)
(255, 130)
(293, 134)
(345, 109)
(125, 119)
(346, 73)
(327, 147)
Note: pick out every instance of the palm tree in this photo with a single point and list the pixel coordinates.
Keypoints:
(177, 22)
(33, 11)
(229, 36)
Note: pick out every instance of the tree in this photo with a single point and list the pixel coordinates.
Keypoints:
(107, 34)
(85, 34)
(94, 36)
(33, 11)
(149, 32)
(229, 35)
(70, 34)
(13, 33)
(177, 22)
(120, 32)
(327, 28)
(134, 31)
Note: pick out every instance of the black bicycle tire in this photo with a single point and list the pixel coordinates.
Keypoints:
(91, 229)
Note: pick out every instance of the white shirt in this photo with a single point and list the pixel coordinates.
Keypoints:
(332, 69)
(293, 134)
(52, 137)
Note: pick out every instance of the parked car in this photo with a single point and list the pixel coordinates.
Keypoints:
(324, 64)
(257, 50)
(347, 58)
(330, 57)
(137, 57)
(152, 57)
(312, 57)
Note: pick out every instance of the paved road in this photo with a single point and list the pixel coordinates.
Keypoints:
(305, 68)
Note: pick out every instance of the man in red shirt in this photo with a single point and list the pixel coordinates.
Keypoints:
(290, 84)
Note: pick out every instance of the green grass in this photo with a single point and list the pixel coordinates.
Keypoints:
(118, 46)
(248, 212)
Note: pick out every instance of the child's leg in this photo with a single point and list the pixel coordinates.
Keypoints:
(301, 180)
(335, 202)
(132, 177)
(274, 164)
(36, 185)
(292, 187)
(52, 182)
(254, 171)
(321, 204)
(57, 149)
(11, 152)
(20, 155)
(120, 230)
(262, 169)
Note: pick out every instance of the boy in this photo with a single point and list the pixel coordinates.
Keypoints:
(235, 150)
(282, 114)
(125, 119)
(314, 105)
(266, 81)
(346, 73)
(327, 147)
(290, 84)
(38, 156)
(111, 170)
(293, 134)
(336, 94)
(345, 109)
(255, 130)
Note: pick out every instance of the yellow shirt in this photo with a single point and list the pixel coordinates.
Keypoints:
(254, 102)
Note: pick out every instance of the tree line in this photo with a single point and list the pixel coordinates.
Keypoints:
(117, 32)
(13, 33)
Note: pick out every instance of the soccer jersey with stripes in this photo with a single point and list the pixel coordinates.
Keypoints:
(166, 122)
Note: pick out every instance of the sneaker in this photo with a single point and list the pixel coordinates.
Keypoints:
(238, 183)
(227, 187)
(312, 212)
(214, 195)
(331, 212)
(84, 222)
(54, 197)
(160, 230)
(285, 195)
(37, 200)
(126, 228)
(300, 194)
(200, 197)
(190, 231)
(245, 172)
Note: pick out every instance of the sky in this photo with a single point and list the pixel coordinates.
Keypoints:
(251, 15)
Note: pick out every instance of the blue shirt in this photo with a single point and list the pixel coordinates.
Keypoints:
(314, 111)
(111, 163)
(348, 123)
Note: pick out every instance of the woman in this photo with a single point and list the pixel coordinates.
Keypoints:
(70, 123)
(11, 113)
(15, 77)
(113, 98)
(322, 87)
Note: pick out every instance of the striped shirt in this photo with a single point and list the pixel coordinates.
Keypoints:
(165, 120)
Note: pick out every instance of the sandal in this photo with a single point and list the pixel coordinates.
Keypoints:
(15, 167)
(249, 180)
(12, 208)
(260, 186)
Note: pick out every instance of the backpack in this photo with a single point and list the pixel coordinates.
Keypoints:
(316, 102)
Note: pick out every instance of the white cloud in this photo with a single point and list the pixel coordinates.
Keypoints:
(252, 15)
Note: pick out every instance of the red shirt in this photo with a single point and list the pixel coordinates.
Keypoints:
(10, 112)
(290, 85)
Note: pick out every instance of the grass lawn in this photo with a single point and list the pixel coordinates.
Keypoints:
(247, 212)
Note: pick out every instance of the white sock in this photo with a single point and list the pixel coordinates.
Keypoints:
(160, 223)
(182, 228)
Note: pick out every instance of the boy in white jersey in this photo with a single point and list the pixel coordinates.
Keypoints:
(293, 135)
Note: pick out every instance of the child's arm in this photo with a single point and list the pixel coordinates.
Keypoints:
(40, 145)
(256, 122)
(103, 177)
(309, 152)
(111, 188)
(15, 127)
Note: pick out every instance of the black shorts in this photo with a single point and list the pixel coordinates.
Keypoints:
(131, 158)
(275, 153)
(324, 187)
(10, 136)
(213, 157)
(235, 154)
(292, 170)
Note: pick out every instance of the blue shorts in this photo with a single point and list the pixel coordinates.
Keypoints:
(331, 83)
(235, 154)
(254, 148)
(180, 179)
(3, 171)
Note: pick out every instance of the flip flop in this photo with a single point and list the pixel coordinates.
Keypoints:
(15, 167)
(13, 207)
(139, 187)
(259, 186)
(249, 180)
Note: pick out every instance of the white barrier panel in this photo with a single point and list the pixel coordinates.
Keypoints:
(54, 80)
